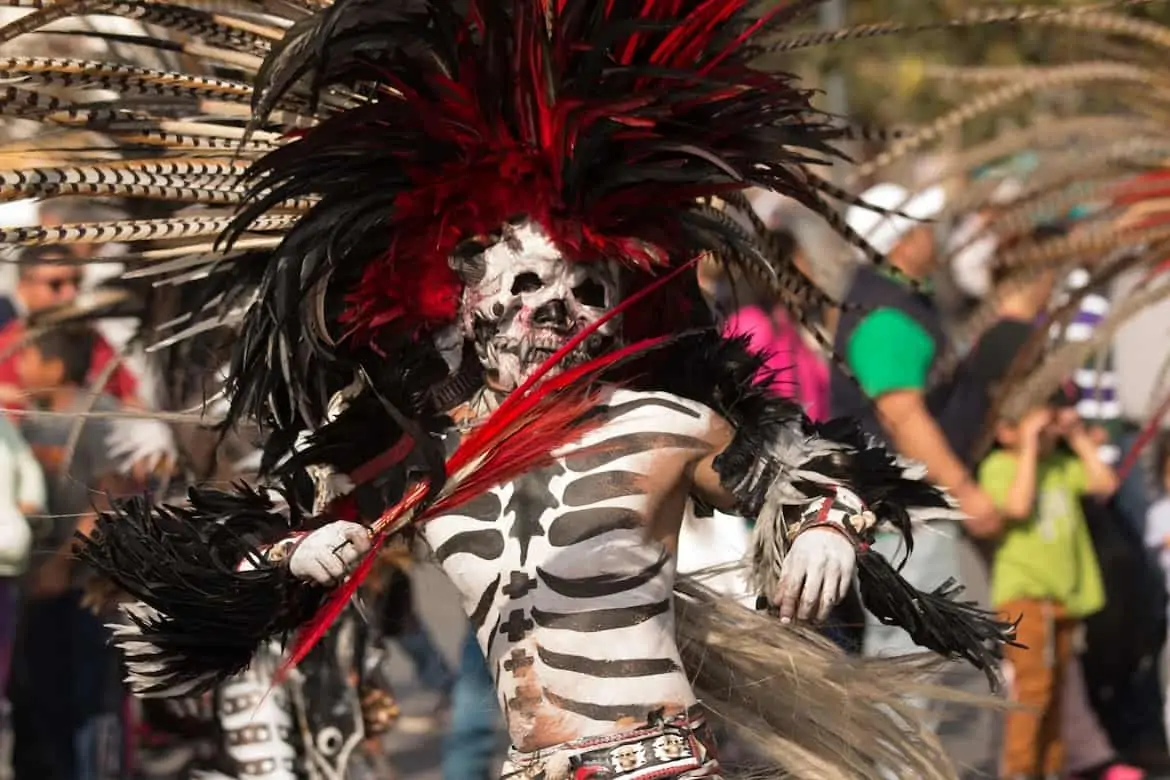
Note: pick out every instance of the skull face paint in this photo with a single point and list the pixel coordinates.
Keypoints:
(523, 301)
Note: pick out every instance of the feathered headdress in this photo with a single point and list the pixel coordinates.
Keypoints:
(607, 123)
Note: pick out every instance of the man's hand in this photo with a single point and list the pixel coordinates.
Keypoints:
(983, 520)
(329, 553)
(1070, 426)
(816, 575)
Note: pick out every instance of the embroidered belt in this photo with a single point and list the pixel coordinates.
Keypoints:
(680, 748)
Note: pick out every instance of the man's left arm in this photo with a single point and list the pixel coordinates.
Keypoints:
(804, 566)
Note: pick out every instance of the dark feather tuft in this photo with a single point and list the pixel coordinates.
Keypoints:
(205, 619)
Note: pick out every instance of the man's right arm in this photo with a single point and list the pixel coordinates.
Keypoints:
(916, 435)
(891, 356)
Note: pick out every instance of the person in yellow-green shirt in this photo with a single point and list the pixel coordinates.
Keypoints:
(1044, 572)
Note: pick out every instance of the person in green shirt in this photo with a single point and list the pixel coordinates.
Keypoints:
(1044, 572)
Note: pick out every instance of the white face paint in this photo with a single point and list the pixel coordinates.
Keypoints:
(523, 301)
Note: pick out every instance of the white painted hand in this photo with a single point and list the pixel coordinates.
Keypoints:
(329, 553)
(816, 575)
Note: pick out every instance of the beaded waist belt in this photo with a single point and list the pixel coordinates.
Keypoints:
(679, 748)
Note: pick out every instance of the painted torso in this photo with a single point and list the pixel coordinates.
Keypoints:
(567, 574)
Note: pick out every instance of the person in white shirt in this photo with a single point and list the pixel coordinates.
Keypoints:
(22, 494)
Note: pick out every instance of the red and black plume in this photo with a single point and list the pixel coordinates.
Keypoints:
(604, 121)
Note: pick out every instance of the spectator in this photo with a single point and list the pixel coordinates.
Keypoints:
(22, 493)
(1024, 296)
(1124, 640)
(401, 623)
(469, 751)
(892, 339)
(1158, 539)
(1045, 572)
(48, 278)
(797, 368)
(65, 725)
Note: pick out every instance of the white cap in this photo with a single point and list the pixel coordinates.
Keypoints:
(884, 232)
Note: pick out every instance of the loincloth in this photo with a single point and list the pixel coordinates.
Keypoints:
(679, 748)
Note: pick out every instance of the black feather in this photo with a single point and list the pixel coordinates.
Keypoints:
(183, 562)
(723, 374)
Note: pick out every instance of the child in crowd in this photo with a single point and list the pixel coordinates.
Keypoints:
(1045, 571)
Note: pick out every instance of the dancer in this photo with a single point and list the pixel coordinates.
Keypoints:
(480, 320)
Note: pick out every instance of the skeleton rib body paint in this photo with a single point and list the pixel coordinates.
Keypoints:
(568, 594)
(566, 572)
(523, 299)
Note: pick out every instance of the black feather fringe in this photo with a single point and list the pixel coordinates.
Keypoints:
(182, 563)
(936, 620)
(722, 373)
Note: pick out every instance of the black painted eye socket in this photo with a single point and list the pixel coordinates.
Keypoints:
(590, 293)
(526, 282)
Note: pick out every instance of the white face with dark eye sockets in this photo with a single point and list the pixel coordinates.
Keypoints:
(522, 301)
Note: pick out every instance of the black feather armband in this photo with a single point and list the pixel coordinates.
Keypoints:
(209, 587)
(830, 484)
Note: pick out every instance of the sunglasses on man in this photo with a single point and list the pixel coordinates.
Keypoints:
(57, 284)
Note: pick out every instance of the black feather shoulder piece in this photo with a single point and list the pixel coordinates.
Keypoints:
(200, 615)
(777, 444)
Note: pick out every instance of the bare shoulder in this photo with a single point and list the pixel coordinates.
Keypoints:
(663, 412)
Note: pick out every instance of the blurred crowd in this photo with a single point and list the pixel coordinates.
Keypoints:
(62, 389)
